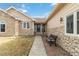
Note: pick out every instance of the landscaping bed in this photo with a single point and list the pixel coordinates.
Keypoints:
(53, 50)
(17, 47)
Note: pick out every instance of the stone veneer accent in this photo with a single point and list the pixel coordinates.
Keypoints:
(68, 43)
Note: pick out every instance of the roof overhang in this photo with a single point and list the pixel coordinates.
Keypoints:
(8, 14)
(56, 9)
(40, 22)
(20, 12)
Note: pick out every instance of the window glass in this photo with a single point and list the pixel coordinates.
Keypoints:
(2, 27)
(27, 24)
(69, 24)
(24, 25)
(77, 22)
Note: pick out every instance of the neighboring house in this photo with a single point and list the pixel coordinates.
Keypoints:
(64, 22)
(15, 23)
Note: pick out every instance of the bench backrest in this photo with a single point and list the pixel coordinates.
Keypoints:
(54, 37)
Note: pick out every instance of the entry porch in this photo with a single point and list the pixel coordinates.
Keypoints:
(40, 29)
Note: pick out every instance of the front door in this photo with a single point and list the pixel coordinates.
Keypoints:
(38, 28)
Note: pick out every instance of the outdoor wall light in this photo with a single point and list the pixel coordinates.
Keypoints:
(61, 19)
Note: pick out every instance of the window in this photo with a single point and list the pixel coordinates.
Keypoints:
(69, 24)
(2, 27)
(72, 24)
(25, 25)
(77, 22)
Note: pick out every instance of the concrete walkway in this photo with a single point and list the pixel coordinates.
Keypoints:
(38, 48)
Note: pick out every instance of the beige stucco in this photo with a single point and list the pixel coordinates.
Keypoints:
(29, 31)
(23, 18)
(55, 21)
(9, 24)
(54, 26)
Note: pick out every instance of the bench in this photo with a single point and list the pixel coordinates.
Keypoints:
(52, 39)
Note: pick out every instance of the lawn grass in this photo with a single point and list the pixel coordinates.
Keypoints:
(17, 47)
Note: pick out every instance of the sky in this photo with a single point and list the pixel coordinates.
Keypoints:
(35, 10)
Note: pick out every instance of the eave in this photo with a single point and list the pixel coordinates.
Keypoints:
(56, 9)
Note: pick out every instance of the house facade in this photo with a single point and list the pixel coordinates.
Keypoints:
(15, 23)
(64, 22)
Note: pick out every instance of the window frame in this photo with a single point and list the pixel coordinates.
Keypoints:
(26, 25)
(66, 23)
(1, 23)
(70, 34)
(75, 24)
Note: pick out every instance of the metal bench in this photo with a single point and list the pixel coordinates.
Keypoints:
(52, 39)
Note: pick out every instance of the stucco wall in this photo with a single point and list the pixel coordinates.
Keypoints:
(9, 24)
(54, 26)
(23, 18)
(29, 31)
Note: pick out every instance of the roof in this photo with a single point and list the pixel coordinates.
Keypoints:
(56, 9)
(7, 14)
(40, 20)
(20, 12)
